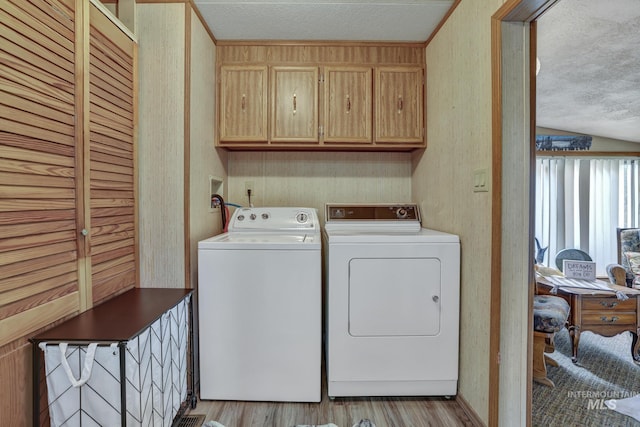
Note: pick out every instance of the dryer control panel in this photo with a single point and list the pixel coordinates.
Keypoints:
(375, 212)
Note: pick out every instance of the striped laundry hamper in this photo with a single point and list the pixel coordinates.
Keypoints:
(91, 384)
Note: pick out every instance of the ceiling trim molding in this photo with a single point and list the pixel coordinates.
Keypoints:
(445, 18)
(317, 43)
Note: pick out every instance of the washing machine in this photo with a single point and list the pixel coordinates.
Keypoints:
(260, 297)
(392, 303)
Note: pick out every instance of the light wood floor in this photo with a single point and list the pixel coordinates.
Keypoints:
(344, 412)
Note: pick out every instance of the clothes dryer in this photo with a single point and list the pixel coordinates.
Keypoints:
(259, 288)
(392, 303)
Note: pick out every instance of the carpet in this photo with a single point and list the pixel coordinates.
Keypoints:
(605, 370)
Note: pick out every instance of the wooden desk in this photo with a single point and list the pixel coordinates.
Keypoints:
(600, 312)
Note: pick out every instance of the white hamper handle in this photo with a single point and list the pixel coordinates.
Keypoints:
(86, 369)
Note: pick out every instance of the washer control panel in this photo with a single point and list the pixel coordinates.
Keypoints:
(274, 219)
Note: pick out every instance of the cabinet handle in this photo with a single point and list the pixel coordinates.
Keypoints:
(84, 232)
(612, 320)
(608, 304)
(244, 105)
(294, 104)
(348, 104)
(400, 104)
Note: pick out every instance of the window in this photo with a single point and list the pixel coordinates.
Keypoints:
(581, 201)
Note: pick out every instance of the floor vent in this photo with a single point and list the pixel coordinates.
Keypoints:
(191, 421)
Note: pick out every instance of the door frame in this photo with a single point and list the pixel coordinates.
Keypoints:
(513, 86)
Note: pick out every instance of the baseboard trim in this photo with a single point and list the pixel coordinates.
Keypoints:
(469, 411)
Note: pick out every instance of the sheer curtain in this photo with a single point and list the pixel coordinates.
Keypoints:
(629, 191)
(581, 201)
(603, 211)
(558, 209)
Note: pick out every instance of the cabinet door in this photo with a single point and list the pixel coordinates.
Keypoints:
(348, 105)
(294, 104)
(40, 178)
(112, 158)
(243, 104)
(399, 105)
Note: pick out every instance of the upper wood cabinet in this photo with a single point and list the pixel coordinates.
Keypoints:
(320, 97)
(399, 105)
(348, 105)
(243, 104)
(294, 104)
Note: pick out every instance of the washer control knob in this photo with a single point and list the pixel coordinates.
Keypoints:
(402, 213)
(435, 298)
(240, 217)
(302, 217)
(265, 216)
(252, 217)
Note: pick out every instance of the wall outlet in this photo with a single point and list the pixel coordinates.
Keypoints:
(248, 185)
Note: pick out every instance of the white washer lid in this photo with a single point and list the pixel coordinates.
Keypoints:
(262, 241)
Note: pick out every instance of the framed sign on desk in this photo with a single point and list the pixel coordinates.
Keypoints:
(584, 270)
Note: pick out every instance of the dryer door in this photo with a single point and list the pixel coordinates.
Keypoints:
(394, 297)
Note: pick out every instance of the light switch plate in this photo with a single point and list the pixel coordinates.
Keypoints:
(481, 180)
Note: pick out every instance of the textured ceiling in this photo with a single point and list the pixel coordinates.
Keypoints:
(589, 78)
(354, 20)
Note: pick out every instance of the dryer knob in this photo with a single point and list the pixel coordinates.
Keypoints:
(252, 216)
(302, 217)
(240, 217)
(435, 298)
(265, 216)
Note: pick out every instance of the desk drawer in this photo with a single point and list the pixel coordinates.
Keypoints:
(609, 304)
(609, 317)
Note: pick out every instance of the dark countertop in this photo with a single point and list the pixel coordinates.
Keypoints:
(118, 319)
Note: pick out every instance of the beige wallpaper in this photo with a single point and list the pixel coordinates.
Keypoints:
(164, 189)
(205, 160)
(458, 91)
(311, 179)
(161, 143)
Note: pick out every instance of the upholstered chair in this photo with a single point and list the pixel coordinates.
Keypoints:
(550, 315)
(627, 271)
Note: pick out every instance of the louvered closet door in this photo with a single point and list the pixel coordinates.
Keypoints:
(112, 158)
(38, 158)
